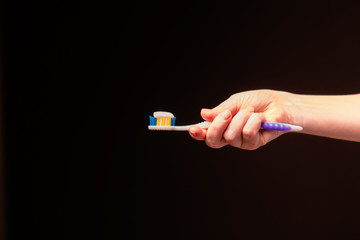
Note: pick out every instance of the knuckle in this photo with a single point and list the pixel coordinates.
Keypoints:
(212, 136)
(248, 133)
(211, 144)
(230, 136)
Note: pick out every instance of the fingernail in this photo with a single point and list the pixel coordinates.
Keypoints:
(226, 115)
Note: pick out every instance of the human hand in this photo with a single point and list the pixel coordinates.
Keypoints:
(237, 120)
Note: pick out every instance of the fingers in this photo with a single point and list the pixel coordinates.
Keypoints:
(214, 136)
(233, 134)
(242, 131)
(252, 139)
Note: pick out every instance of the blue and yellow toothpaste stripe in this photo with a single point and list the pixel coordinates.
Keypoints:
(162, 121)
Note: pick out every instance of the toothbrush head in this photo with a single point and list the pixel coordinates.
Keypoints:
(165, 121)
(162, 119)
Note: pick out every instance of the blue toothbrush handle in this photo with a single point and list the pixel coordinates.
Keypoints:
(279, 126)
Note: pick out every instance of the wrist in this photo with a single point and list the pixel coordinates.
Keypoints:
(292, 107)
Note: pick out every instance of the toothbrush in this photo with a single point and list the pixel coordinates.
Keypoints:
(165, 121)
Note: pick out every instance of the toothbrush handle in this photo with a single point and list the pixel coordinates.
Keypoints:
(279, 126)
(275, 126)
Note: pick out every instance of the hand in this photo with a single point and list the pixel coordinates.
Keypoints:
(237, 120)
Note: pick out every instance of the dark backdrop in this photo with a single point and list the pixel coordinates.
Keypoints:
(82, 77)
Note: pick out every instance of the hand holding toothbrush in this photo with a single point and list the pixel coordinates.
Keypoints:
(237, 121)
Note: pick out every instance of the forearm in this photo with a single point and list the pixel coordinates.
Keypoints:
(329, 116)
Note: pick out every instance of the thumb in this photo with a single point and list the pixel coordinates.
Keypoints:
(210, 114)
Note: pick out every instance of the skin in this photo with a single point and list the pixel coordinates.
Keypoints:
(237, 120)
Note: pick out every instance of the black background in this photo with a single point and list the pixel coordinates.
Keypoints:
(82, 77)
